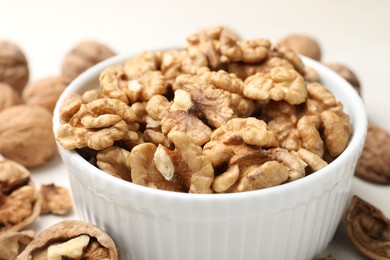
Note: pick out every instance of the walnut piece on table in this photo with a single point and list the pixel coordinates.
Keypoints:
(56, 200)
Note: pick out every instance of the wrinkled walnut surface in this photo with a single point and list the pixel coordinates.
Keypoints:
(13, 66)
(83, 56)
(99, 245)
(368, 229)
(347, 74)
(45, 92)
(374, 162)
(9, 96)
(26, 135)
(233, 102)
(303, 44)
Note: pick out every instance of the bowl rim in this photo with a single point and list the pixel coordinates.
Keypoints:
(359, 132)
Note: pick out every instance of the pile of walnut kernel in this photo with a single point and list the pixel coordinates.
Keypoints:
(221, 115)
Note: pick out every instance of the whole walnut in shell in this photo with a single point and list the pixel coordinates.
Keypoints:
(303, 44)
(13, 65)
(374, 162)
(83, 56)
(45, 92)
(9, 97)
(347, 74)
(26, 135)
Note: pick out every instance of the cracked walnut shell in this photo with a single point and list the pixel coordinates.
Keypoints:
(71, 239)
(368, 228)
(26, 135)
(20, 203)
(13, 243)
(13, 66)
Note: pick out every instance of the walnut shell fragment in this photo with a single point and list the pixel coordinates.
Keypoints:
(56, 200)
(20, 203)
(13, 66)
(71, 239)
(83, 56)
(26, 135)
(368, 229)
(13, 243)
(374, 162)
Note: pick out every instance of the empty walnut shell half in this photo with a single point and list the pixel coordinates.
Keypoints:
(368, 229)
(71, 239)
(20, 203)
(13, 243)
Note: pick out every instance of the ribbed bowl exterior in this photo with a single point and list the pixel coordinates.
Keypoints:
(291, 221)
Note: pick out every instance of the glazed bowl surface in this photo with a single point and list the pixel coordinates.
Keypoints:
(296, 220)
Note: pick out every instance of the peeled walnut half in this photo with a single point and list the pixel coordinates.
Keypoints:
(178, 115)
(236, 137)
(97, 125)
(183, 169)
(20, 203)
(368, 228)
(138, 80)
(278, 84)
(335, 122)
(56, 200)
(71, 239)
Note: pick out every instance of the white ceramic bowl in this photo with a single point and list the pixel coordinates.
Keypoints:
(291, 221)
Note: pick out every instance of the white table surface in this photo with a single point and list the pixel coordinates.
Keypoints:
(356, 33)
